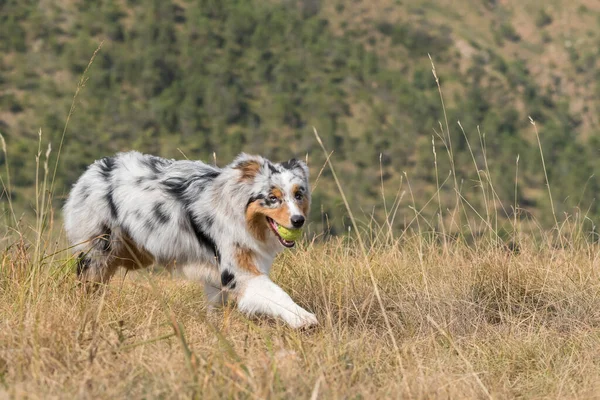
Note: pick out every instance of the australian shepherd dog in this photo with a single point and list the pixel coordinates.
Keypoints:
(216, 225)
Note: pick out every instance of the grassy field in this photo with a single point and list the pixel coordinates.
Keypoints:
(463, 321)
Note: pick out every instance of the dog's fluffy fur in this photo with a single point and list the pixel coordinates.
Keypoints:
(217, 225)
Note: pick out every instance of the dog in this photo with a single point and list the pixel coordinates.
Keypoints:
(215, 225)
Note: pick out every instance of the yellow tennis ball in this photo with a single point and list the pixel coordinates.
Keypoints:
(289, 234)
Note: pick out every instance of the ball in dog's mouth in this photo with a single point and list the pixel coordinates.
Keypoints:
(275, 227)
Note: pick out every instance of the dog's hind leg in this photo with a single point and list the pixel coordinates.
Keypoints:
(106, 253)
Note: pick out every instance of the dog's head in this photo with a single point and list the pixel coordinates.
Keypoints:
(279, 195)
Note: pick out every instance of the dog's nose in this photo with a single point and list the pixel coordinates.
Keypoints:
(297, 221)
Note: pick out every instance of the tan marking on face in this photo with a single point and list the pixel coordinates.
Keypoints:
(304, 203)
(249, 170)
(305, 206)
(255, 219)
(277, 193)
(281, 215)
(245, 260)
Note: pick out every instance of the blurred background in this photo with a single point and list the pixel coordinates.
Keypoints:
(225, 76)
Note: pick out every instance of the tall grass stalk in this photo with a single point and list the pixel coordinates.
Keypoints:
(537, 136)
(7, 187)
(80, 85)
(365, 255)
(447, 140)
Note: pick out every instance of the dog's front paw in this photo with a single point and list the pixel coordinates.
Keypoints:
(301, 319)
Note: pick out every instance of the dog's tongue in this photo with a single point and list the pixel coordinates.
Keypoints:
(286, 243)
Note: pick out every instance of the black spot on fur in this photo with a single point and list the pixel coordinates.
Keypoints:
(106, 165)
(153, 164)
(226, 278)
(254, 198)
(179, 187)
(114, 212)
(291, 164)
(272, 168)
(210, 175)
(160, 214)
(104, 239)
(141, 179)
(156, 164)
(203, 237)
(232, 286)
(208, 222)
(149, 225)
(85, 192)
(83, 263)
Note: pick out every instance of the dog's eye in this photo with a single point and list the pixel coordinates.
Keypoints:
(273, 198)
(298, 196)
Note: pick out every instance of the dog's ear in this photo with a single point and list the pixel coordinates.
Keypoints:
(296, 166)
(248, 165)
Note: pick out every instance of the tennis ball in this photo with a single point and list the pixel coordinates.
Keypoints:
(289, 234)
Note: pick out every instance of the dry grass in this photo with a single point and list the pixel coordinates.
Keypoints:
(468, 323)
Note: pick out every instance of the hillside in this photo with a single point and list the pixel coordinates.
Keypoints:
(203, 77)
